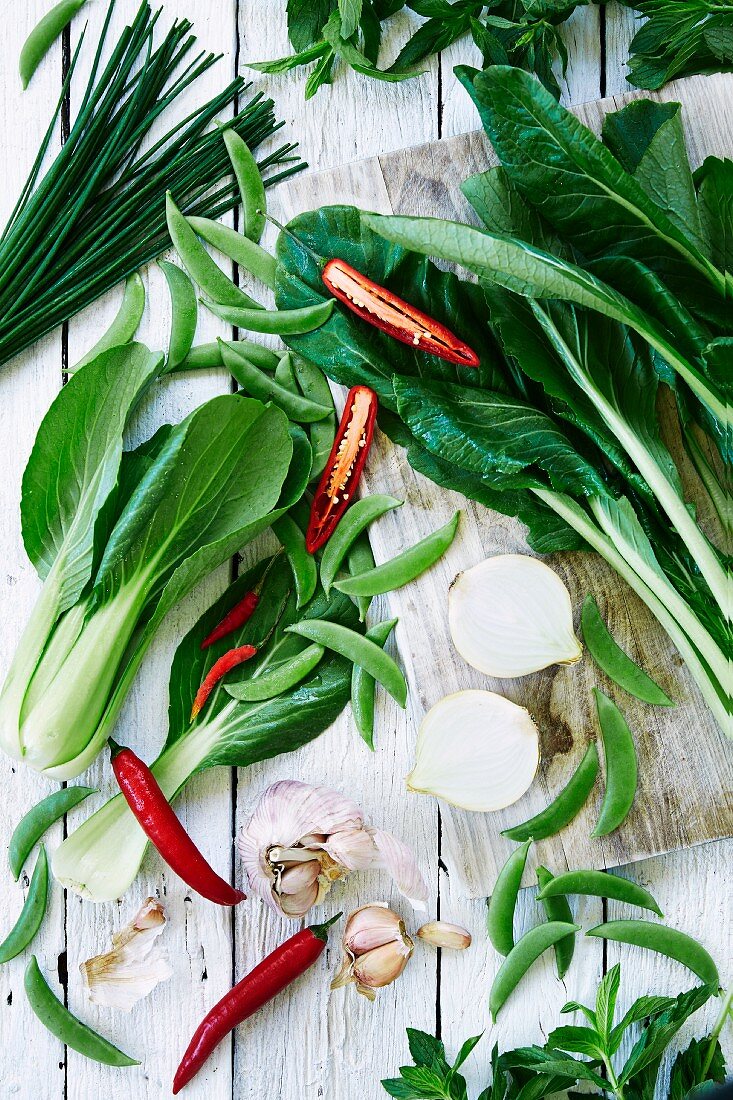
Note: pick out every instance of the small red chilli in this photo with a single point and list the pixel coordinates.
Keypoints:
(240, 614)
(275, 973)
(383, 309)
(155, 815)
(344, 467)
(218, 670)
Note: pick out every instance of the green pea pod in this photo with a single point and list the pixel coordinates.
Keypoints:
(261, 386)
(184, 314)
(609, 656)
(599, 884)
(208, 356)
(359, 516)
(278, 322)
(32, 913)
(39, 820)
(524, 953)
(363, 686)
(503, 901)
(61, 1023)
(665, 941)
(246, 253)
(557, 908)
(403, 568)
(621, 766)
(315, 387)
(205, 273)
(284, 375)
(279, 679)
(43, 36)
(563, 809)
(360, 559)
(125, 324)
(251, 186)
(357, 649)
(302, 564)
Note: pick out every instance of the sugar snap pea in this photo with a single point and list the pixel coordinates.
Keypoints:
(314, 386)
(363, 685)
(61, 1023)
(360, 559)
(208, 356)
(621, 766)
(280, 322)
(609, 656)
(184, 313)
(43, 36)
(31, 914)
(565, 807)
(251, 186)
(302, 564)
(524, 953)
(284, 375)
(503, 901)
(198, 263)
(557, 908)
(261, 386)
(599, 884)
(245, 252)
(126, 322)
(279, 679)
(39, 820)
(403, 568)
(665, 941)
(357, 649)
(357, 519)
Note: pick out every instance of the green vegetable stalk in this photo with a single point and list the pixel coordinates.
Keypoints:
(119, 537)
(101, 858)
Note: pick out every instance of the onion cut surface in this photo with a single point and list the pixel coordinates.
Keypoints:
(476, 750)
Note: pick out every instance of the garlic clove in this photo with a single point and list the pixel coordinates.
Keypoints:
(476, 750)
(298, 904)
(372, 926)
(383, 965)
(296, 878)
(510, 616)
(123, 976)
(442, 934)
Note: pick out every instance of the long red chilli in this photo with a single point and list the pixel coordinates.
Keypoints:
(383, 309)
(344, 467)
(240, 614)
(155, 815)
(275, 973)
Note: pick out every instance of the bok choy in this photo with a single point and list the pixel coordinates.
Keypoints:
(602, 321)
(119, 537)
(101, 858)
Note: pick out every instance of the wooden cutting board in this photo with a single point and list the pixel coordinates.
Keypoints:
(685, 791)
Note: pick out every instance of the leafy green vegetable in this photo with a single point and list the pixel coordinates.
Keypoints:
(680, 37)
(535, 1072)
(578, 329)
(119, 538)
(101, 858)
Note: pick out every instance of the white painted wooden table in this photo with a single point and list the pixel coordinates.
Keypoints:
(311, 1043)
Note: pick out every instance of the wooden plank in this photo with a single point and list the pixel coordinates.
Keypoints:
(427, 178)
(198, 937)
(28, 385)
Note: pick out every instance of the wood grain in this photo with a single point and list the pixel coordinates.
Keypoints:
(695, 788)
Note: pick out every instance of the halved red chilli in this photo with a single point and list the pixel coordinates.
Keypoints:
(383, 309)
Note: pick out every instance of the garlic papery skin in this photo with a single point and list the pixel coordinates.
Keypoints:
(123, 976)
(376, 949)
(442, 934)
(510, 616)
(476, 750)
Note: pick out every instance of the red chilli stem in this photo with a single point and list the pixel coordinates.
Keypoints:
(217, 671)
(155, 816)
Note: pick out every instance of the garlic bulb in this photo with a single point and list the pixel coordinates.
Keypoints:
(476, 750)
(511, 615)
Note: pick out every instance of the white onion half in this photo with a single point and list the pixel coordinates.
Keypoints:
(511, 615)
(476, 750)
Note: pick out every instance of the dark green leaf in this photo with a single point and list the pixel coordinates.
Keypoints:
(285, 64)
(689, 1069)
(306, 19)
(660, 1031)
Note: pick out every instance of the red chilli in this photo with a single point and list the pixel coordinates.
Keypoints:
(384, 310)
(344, 467)
(154, 814)
(270, 977)
(218, 670)
(240, 614)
